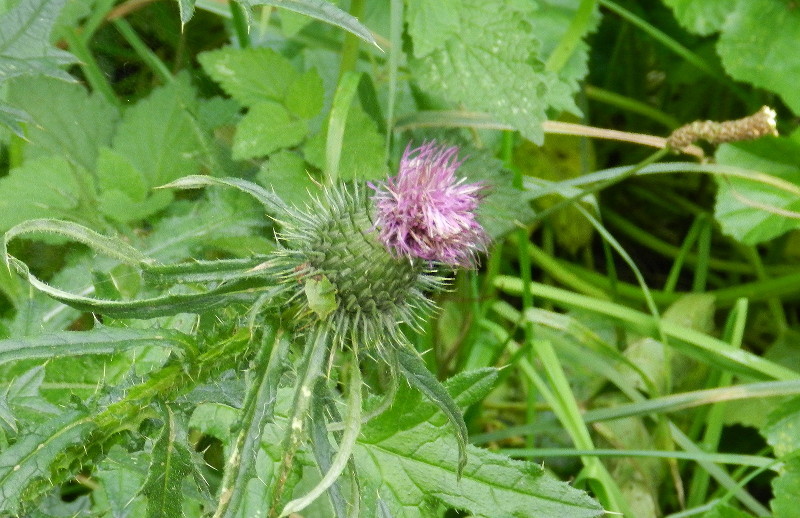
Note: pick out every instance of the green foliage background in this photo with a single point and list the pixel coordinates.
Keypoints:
(633, 329)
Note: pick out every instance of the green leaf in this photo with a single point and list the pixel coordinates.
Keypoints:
(304, 97)
(25, 41)
(287, 174)
(700, 16)
(186, 8)
(251, 75)
(103, 340)
(121, 475)
(321, 10)
(28, 466)
(39, 188)
(171, 463)
(418, 376)
(726, 511)
(363, 154)
(269, 200)
(492, 65)
(11, 118)
(404, 457)
(431, 24)
(157, 136)
(751, 210)
(124, 191)
(267, 127)
(321, 296)
(786, 489)
(782, 430)
(763, 54)
(67, 120)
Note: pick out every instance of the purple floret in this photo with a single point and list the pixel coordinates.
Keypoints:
(426, 212)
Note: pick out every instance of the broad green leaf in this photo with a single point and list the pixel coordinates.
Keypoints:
(492, 65)
(12, 119)
(25, 47)
(39, 188)
(287, 175)
(431, 24)
(700, 16)
(125, 194)
(763, 54)
(419, 377)
(782, 430)
(28, 466)
(320, 10)
(102, 340)
(158, 137)
(66, 120)
(786, 489)
(405, 456)
(121, 475)
(251, 75)
(752, 211)
(305, 95)
(267, 127)
(171, 464)
(363, 154)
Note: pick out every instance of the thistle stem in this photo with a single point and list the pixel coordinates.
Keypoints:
(312, 363)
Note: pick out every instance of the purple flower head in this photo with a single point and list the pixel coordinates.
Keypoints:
(426, 212)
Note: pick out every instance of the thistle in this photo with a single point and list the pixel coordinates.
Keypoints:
(353, 268)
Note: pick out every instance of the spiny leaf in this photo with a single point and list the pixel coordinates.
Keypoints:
(321, 10)
(102, 340)
(172, 462)
(37, 457)
(419, 377)
(270, 201)
(25, 41)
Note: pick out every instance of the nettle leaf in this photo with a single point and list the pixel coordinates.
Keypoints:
(406, 457)
(763, 54)
(156, 142)
(786, 488)
(66, 120)
(251, 75)
(172, 462)
(753, 211)
(50, 181)
(782, 430)
(700, 16)
(28, 467)
(320, 10)
(267, 127)
(287, 174)
(491, 64)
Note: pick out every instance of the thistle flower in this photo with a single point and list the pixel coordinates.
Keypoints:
(426, 212)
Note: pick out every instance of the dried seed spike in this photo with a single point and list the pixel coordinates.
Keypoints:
(759, 124)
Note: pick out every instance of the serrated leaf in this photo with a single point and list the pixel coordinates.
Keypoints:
(750, 210)
(763, 54)
(305, 95)
(171, 463)
(267, 127)
(25, 47)
(269, 200)
(700, 16)
(102, 340)
(39, 188)
(418, 376)
(121, 475)
(782, 430)
(66, 120)
(287, 174)
(27, 465)
(320, 10)
(124, 193)
(786, 489)
(363, 152)
(158, 136)
(251, 75)
(491, 65)
(404, 457)
(431, 24)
